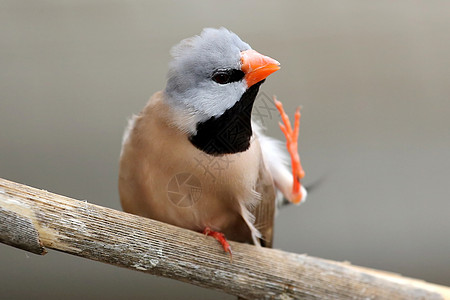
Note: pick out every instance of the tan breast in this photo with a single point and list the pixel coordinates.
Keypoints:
(164, 177)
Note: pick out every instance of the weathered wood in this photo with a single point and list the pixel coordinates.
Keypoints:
(32, 219)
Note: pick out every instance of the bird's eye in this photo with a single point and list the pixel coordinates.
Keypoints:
(224, 76)
(221, 77)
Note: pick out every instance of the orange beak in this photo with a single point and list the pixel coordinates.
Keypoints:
(257, 66)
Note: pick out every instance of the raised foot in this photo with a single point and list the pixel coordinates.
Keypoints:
(220, 237)
(292, 147)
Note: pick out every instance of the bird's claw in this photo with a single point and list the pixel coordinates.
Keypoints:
(292, 147)
(220, 237)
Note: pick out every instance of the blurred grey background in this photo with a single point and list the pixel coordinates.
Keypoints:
(372, 78)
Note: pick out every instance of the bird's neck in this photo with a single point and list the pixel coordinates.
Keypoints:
(230, 132)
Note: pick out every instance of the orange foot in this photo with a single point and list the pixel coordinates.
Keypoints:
(292, 146)
(220, 237)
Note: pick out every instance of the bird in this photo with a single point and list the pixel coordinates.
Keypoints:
(194, 158)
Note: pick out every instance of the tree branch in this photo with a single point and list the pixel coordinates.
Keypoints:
(33, 219)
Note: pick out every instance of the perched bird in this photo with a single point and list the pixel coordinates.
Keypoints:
(194, 158)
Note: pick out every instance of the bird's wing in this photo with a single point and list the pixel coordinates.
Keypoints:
(264, 212)
(275, 181)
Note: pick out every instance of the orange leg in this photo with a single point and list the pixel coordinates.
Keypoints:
(220, 237)
(292, 146)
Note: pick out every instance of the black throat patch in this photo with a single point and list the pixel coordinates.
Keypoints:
(230, 132)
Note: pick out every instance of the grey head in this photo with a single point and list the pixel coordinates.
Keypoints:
(194, 89)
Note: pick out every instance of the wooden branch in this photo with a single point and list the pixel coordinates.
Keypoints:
(33, 219)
